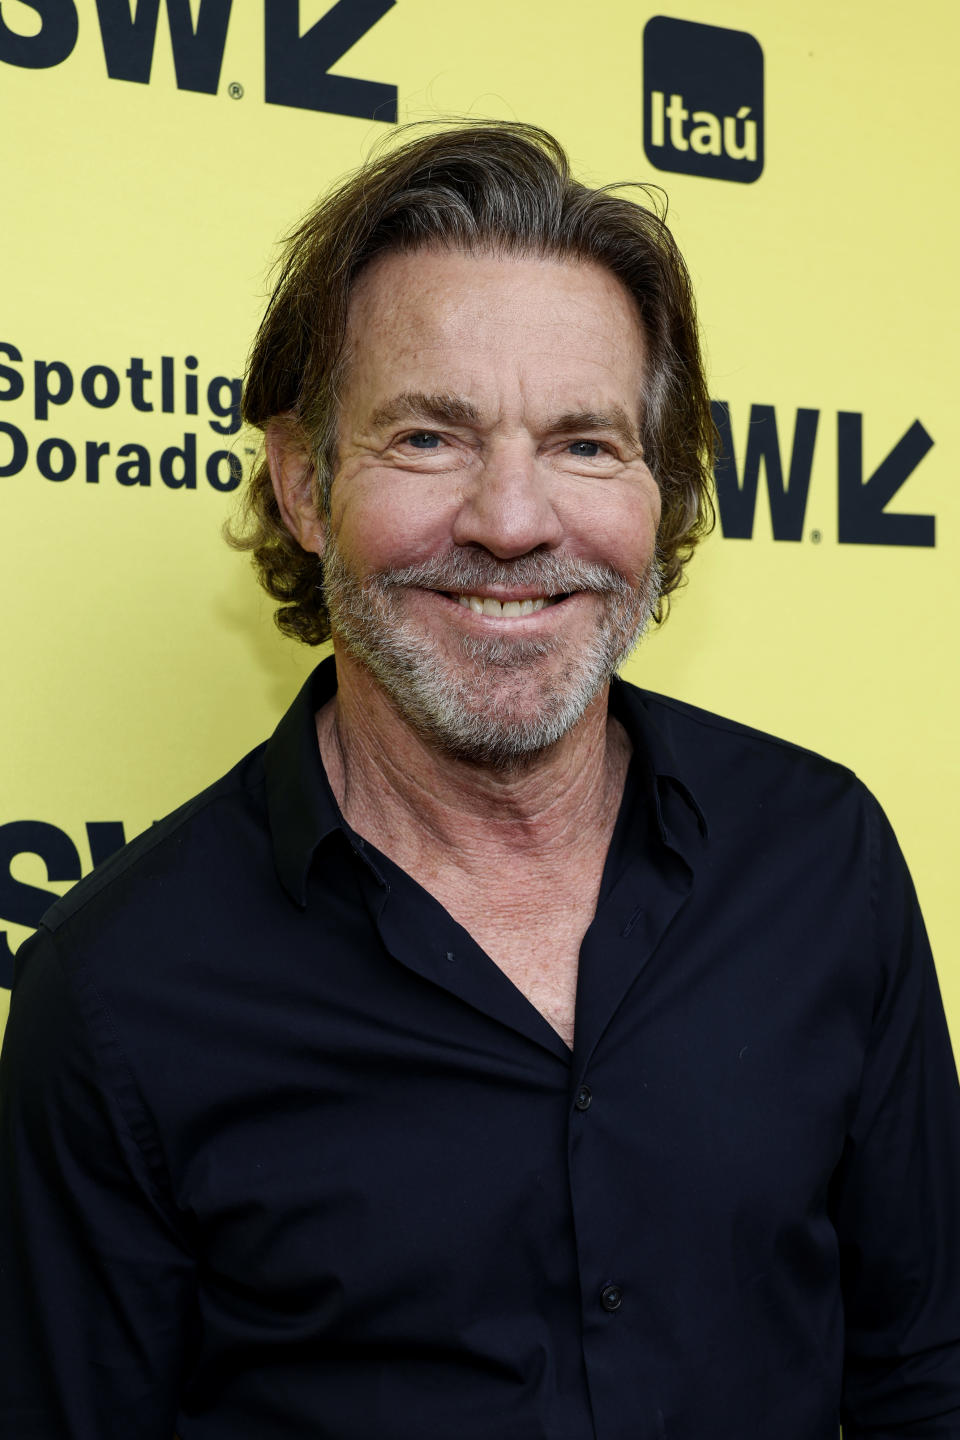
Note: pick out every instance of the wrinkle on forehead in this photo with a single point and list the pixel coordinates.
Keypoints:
(468, 277)
(420, 317)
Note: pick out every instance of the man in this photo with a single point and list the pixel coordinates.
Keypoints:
(500, 1050)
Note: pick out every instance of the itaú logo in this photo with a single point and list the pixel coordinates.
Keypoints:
(703, 100)
(40, 34)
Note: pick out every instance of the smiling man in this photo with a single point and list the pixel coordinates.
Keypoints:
(528, 497)
(500, 1050)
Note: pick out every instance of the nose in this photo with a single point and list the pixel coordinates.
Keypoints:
(509, 506)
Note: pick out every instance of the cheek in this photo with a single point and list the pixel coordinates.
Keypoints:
(388, 519)
(617, 527)
(391, 521)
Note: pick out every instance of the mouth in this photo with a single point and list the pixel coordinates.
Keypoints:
(506, 609)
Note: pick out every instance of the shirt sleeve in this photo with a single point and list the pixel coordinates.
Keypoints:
(897, 1191)
(96, 1283)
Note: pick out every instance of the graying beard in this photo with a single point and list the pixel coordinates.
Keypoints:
(462, 717)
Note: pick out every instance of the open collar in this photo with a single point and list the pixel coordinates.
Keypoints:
(303, 811)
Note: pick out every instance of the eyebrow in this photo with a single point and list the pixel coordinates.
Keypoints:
(615, 421)
(432, 409)
(448, 409)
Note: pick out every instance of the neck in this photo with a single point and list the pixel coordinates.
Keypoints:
(414, 801)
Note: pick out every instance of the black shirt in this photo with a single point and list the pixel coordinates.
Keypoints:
(285, 1154)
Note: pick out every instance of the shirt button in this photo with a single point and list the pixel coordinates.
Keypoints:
(584, 1096)
(611, 1297)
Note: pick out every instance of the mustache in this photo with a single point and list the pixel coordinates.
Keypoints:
(465, 571)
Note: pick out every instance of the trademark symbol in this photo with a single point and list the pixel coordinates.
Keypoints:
(816, 536)
(235, 90)
(249, 450)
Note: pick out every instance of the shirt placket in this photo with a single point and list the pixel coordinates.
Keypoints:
(620, 944)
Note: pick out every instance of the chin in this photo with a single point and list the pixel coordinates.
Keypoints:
(494, 700)
(497, 703)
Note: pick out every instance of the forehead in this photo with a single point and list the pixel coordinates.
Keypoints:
(471, 318)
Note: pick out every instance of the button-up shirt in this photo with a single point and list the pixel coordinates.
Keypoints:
(285, 1154)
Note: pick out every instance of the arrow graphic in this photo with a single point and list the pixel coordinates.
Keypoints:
(862, 517)
(297, 65)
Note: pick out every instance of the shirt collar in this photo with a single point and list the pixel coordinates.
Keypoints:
(302, 809)
(301, 806)
(680, 819)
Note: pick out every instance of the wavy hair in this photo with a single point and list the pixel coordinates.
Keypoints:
(501, 186)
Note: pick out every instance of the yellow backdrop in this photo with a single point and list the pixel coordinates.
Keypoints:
(150, 177)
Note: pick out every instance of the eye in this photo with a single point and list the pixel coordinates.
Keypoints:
(585, 449)
(422, 440)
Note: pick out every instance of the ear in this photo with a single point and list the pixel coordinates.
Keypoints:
(292, 473)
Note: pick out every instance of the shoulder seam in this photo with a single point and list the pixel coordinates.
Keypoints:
(93, 883)
(712, 721)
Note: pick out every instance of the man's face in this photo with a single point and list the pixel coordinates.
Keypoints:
(489, 550)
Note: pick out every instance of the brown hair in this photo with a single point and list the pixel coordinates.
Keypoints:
(499, 185)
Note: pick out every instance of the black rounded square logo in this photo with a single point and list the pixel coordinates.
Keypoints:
(703, 100)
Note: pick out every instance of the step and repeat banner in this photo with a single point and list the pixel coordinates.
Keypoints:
(156, 152)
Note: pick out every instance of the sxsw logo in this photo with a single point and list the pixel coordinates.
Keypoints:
(296, 66)
(22, 903)
(862, 498)
(703, 100)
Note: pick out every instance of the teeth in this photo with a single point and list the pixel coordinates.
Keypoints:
(486, 605)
